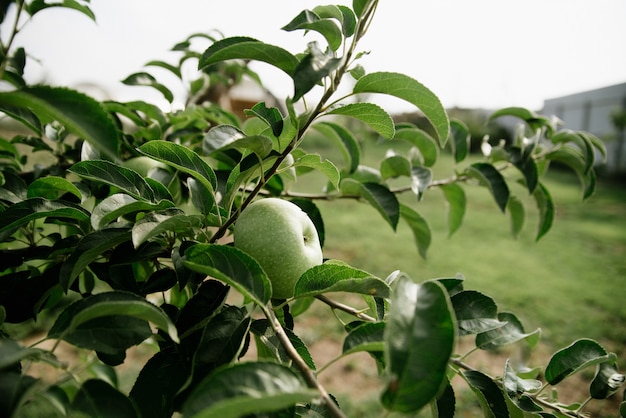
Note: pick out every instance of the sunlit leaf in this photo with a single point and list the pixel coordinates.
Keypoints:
(395, 166)
(373, 115)
(606, 381)
(406, 88)
(338, 277)
(421, 177)
(419, 338)
(246, 388)
(166, 221)
(118, 205)
(426, 144)
(516, 211)
(222, 137)
(345, 141)
(52, 187)
(534, 120)
(231, 266)
(460, 140)
(325, 166)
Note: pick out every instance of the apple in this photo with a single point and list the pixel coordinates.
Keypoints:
(281, 238)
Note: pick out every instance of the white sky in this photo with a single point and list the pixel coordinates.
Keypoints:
(471, 53)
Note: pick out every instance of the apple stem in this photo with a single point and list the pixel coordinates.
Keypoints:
(307, 373)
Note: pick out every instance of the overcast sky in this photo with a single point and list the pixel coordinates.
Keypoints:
(482, 53)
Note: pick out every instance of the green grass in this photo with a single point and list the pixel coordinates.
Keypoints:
(570, 283)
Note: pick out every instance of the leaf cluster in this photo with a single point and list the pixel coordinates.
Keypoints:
(116, 222)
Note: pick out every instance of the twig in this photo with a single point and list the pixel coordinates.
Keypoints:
(345, 308)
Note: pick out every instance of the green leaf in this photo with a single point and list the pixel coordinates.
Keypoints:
(52, 187)
(169, 220)
(575, 357)
(12, 353)
(316, 162)
(456, 204)
(421, 177)
(201, 198)
(270, 115)
(460, 140)
(118, 205)
(475, 312)
(88, 249)
(511, 332)
(489, 395)
(516, 209)
(419, 337)
(367, 337)
(79, 323)
(36, 208)
(490, 177)
(96, 398)
(231, 266)
(546, 210)
(527, 166)
(125, 179)
(311, 69)
(534, 120)
(406, 88)
(169, 67)
(248, 49)
(426, 144)
(347, 144)
(395, 166)
(223, 137)
(343, 14)
(606, 381)
(337, 277)
(181, 158)
(148, 80)
(421, 231)
(308, 20)
(270, 346)
(246, 388)
(572, 158)
(380, 197)
(583, 142)
(79, 113)
(37, 5)
(373, 115)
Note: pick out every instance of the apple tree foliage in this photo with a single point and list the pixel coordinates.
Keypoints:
(104, 258)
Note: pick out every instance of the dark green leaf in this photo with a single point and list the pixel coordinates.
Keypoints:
(148, 80)
(460, 140)
(28, 210)
(96, 398)
(308, 20)
(575, 357)
(181, 158)
(270, 115)
(583, 142)
(14, 387)
(546, 210)
(446, 402)
(80, 114)
(527, 167)
(533, 120)
(489, 395)
(165, 373)
(37, 5)
(127, 180)
(380, 197)
(201, 198)
(246, 388)
(24, 116)
(231, 266)
(490, 177)
(606, 382)
(222, 137)
(52, 187)
(406, 88)
(270, 347)
(248, 49)
(373, 115)
(419, 338)
(338, 277)
(343, 14)
(73, 324)
(12, 354)
(366, 337)
(421, 231)
(310, 71)
(511, 332)
(456, 204)
(475, 312)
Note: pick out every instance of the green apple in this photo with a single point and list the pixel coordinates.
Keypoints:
(281, 238)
